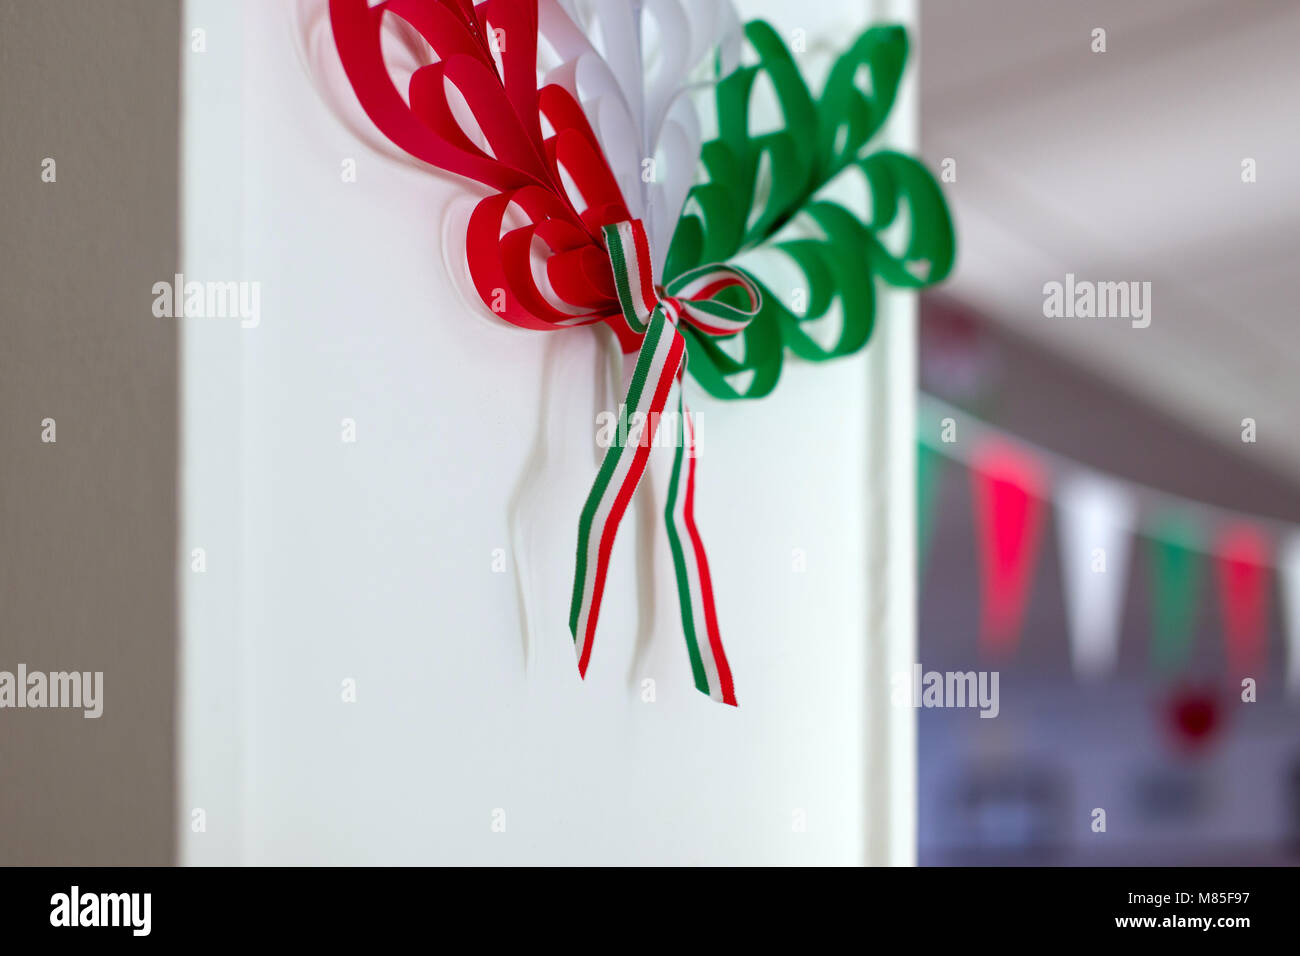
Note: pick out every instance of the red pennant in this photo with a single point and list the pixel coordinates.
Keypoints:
(1009, 488)
(1242, 558)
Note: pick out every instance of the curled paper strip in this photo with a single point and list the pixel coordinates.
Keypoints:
(405, 51)
(759, 182)
(554, 190)
(633, 67)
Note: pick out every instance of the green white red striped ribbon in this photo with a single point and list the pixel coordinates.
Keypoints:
(656, 314)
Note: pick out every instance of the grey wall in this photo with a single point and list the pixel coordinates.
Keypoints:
(87, 524)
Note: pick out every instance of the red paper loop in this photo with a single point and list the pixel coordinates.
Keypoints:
(528, 171)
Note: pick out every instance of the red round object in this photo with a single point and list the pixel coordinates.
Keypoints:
(1193, 715)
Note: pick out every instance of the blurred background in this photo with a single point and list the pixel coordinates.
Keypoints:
(1168, 158)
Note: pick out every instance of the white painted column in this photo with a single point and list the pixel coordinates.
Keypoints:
(891, 573)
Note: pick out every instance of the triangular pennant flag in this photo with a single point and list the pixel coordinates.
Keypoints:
(1242, 552)
(1176, 569)
(929, 469)
(1288, 566)
(1095, 520)
(1008, 488)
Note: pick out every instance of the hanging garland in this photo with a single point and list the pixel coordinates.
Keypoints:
(564, 237)
(1196, 554)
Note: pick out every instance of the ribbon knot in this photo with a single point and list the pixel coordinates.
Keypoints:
(656, 313)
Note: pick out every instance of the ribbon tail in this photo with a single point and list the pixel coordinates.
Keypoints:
(694, 585)
(662, 353)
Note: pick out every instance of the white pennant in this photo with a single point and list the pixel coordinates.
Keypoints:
(1288, 569)
(1095, 521)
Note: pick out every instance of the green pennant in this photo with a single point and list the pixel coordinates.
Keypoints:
(757, 183)
(929, 471)
(1176, 569)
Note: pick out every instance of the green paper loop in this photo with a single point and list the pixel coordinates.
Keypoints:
(759, 183)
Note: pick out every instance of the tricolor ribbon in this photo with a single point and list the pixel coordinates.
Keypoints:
(655, 315)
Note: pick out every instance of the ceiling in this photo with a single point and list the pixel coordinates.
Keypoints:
(1127, 165)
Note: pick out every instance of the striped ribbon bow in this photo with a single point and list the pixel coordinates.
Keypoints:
(662, 359)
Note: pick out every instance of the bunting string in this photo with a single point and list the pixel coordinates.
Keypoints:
(1193, 545)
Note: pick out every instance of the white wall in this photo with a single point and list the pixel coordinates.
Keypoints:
(372, 561)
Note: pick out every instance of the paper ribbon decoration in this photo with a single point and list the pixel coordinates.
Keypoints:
(1009, 488)
(561, 239)
(553, 191)
(691, 298)
(1095, 518)
(1289, 570)
(759, 183)
(1243, 593)
(645, 118)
